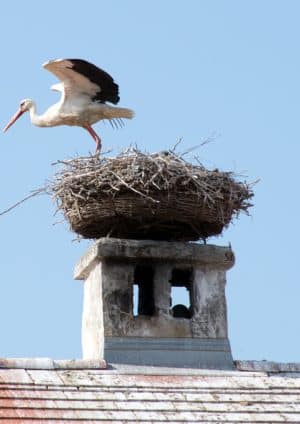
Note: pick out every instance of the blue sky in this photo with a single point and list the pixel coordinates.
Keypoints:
(190, 70)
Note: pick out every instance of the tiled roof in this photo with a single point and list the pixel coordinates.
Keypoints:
(46, 391)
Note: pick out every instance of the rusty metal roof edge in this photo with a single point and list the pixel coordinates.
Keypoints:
(52, 364)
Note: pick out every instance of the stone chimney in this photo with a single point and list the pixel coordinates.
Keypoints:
(155, 332)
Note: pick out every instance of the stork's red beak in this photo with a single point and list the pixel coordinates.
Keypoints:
(13, 119)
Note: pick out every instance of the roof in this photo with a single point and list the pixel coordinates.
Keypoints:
(42, 390)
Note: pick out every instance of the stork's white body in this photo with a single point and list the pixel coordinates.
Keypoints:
(85, 89)
(78, 114)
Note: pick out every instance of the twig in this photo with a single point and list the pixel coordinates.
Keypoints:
(133, 189)
(35, 193)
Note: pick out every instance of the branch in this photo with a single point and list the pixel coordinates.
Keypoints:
(33, 194)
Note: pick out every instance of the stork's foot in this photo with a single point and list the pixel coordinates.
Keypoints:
(98, 147)
(96, 138)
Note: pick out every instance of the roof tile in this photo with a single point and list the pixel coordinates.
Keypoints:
(146, 394)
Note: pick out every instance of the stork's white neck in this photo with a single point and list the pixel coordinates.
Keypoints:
(36, 119)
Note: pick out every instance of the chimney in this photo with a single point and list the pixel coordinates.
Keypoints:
(116, 270)
(146, 211)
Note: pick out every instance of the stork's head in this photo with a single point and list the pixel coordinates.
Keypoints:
(25, 105)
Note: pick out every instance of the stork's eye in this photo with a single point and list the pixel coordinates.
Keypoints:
(22, 103)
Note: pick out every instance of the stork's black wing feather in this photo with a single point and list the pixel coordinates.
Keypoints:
(108, 89)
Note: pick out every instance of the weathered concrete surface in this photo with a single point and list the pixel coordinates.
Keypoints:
(117, 281)
(191, 253)
(209, 303)
(109, 269)
(92, 335)
(209, 316)
(162, 295)
(117, 278)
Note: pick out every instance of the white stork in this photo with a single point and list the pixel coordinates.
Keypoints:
(85, 89)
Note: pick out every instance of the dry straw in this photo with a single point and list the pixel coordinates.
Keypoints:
(147, 196)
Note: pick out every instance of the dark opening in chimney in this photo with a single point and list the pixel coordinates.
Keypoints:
(143, 297)
(181, 290)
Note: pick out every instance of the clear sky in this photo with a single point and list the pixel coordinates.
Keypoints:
(191, 70)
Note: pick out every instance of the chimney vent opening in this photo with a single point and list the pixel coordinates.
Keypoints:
(143, 292)
(181, 292)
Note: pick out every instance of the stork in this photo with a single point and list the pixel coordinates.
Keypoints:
(85, 89)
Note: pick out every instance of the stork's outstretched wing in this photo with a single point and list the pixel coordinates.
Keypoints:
(79, 78)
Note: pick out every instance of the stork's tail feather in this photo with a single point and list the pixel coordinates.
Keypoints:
(125, 113)
(118, 113)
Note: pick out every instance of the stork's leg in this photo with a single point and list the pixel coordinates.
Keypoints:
(95, 137)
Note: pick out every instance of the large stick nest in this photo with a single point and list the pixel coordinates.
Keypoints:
(156, 196)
